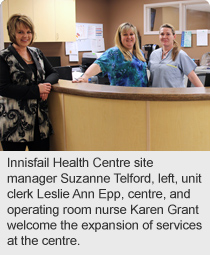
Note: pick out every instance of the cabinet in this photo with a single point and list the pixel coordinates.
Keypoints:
(22, 7)
(54, 20)
(65, 25)
(5, 11)
(44, 21)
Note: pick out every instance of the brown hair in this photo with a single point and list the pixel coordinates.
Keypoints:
(136, 49)
(176, 47)
(14, 21)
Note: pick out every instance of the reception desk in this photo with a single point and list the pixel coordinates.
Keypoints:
(92, 117)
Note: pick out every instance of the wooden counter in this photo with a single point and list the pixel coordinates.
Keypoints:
(92, 117)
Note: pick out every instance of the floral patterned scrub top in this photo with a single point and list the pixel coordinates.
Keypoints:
(122, 72)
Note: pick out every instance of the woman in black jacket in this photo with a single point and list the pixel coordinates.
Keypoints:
(26, 77)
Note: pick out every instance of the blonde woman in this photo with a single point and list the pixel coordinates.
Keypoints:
(124, 64)
(169, 64)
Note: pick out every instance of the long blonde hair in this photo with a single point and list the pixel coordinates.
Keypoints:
(176, 47)
(124, 27)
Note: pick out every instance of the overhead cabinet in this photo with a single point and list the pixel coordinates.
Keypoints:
(54, 20)
(44, 21)
(5, 13)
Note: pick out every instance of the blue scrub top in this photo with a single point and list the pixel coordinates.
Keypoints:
(167, 73)
(122, 72)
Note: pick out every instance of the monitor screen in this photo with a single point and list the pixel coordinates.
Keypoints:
(54, 61)
(207, 81)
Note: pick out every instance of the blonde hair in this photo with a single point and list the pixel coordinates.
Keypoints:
(124, 27)
(14, 21)
(176, 47)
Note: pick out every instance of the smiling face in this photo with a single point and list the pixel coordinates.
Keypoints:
(23, 35)
(128, 39)
(166, 37)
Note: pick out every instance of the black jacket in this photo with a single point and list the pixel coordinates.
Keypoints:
(20, 101)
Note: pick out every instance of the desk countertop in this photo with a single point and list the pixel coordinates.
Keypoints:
(202, 69)
(131, 93)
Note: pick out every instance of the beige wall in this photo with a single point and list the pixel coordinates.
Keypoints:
(166, 15)
(112, 13)
(171, 15)
(93, 11)
(198, 20)
(134, 13)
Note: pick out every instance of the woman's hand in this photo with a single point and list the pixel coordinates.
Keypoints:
(44, 88)
(84, 78)
(91, 71)
(44, 96)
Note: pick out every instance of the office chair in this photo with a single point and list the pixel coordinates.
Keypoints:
(64, 72)
(204, 77)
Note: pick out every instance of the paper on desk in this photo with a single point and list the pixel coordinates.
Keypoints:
(76, 75)
(202, 37)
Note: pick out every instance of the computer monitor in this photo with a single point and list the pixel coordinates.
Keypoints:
(207, 81)
(65, 72)
(54, 61)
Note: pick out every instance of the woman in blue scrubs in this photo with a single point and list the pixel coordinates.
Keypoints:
(124, 64)
(169, 64)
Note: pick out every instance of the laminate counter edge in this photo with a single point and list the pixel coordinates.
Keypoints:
(131, 93)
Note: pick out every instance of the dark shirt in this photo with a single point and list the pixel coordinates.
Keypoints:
(19, 92)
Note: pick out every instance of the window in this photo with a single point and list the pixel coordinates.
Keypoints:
(197, 16)
(183, 15)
